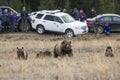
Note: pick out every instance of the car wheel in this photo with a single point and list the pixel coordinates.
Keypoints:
(100, 29)
(69, 33)
(40, 29)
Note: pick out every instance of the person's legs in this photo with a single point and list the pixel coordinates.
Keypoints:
(5, 26)
(96, 31)
(0, 28)
(12, 27)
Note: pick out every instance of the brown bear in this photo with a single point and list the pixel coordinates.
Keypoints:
(108, 52)
(22, 53)
(63, 48)
(44, 53)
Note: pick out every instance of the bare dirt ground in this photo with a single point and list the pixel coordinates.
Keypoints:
(88, 62)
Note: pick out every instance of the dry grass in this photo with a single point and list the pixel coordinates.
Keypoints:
(88, 62)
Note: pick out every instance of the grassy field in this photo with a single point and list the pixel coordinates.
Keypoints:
(88, 62)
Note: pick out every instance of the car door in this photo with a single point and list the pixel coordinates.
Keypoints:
(51, 23)
(105, 19)
(101, 21)
(58, 23)
(108, 19)
(116, 23)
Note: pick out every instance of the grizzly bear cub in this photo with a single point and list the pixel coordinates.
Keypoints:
(21, 53)
(44, 53)
(108, 52)
(62, 49)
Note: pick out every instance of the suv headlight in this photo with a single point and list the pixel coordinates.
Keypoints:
(83, 27)
(76, 27)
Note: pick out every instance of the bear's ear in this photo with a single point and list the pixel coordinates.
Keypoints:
(64, 42)
(17, 48)
(22, 47)
(70, 42)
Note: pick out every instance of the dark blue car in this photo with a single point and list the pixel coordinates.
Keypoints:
(18, 17)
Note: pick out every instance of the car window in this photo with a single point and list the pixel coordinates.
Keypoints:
(101, 19)
(4, 9)
(39, 16)
(116, 19)
(7, 9)
(57, 19)
(107, 19)
(49, 17)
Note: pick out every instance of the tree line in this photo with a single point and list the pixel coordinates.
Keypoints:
(101, 6)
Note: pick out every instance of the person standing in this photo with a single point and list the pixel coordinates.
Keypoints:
(24, 25)
(76, 14)
(5, 20)
(93, 13)
(82, 16)
(96, 27)
(12, 21)
(24, 13)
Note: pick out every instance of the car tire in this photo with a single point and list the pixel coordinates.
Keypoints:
(70, 33)
(40, 29)
(100, 29)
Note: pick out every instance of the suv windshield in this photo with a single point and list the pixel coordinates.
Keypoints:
(67, 18)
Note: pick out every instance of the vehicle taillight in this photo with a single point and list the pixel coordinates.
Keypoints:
(89, 22)
(33, 20)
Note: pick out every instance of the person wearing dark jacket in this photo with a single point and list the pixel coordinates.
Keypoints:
(24, 13)
(5, 19)
(93, 13)
(76, 14)
(24, 24)
(96, 27)
(107, 29)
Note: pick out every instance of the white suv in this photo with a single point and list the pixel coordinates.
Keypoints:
(56, 21)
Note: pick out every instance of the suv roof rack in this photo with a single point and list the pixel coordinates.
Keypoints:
(50, 11)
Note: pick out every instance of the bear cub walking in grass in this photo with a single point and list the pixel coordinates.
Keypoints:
(44, 53)
(108, 52)
(62, 49)
(22, 53)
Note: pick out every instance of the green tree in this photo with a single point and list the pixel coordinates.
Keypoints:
(106, 6)
(16, 4)
(67, 5)
(86, 5)
(117, 8)
(29, 8)
(47, 5)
